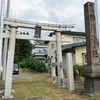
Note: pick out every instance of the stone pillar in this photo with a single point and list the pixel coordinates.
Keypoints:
(70, 76)
(53, 71)
(59, 58)
(5, 48)
(10, 60)
(92, 70)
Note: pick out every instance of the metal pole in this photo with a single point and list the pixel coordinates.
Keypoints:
(1, 31)
(97, 21)
(8, 8)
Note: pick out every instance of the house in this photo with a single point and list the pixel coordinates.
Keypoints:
(78, 51)
(39, 50)
(76, 42)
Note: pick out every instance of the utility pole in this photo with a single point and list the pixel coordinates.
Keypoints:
(1, 31)
(5, 44)
(8, 8)
(97, 21)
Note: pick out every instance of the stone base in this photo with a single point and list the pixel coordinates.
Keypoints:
(4, 97)
(92, 83)
(61, 86)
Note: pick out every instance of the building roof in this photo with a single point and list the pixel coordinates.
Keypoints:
(70, 33)
(74, 33)
(70, 46)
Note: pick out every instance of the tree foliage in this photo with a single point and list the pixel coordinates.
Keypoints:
(22, 49)
(33, 64)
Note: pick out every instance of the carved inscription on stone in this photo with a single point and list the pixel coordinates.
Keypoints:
(91, 37)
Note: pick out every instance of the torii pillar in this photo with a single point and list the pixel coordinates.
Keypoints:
(10, 60)
(92, 70)
(59, 59)
(53, 69)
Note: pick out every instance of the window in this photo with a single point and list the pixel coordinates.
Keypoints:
(85, 58)
(77, 40)
(52, 45)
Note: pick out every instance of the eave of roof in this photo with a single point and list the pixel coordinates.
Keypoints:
(74, 33)
(70, 33)
(70, 46)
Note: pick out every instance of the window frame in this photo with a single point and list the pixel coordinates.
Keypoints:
(79, 39)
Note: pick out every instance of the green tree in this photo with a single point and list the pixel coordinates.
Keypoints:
(22, 49)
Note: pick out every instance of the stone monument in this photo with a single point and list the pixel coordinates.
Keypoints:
(92, 69)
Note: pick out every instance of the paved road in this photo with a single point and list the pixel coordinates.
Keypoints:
(23, 75)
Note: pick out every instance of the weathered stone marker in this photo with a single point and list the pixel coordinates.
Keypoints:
(92, 70)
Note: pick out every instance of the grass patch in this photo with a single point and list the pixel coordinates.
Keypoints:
(37, 87)
(78, 90)
(40, 85)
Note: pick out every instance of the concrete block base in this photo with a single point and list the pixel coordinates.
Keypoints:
(4, 97)
(1, 91)
(92, 83)
(61, 86)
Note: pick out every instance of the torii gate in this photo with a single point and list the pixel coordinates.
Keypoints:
(13, 25)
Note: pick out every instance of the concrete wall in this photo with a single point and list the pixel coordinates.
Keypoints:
(79, 54)
(71, 37)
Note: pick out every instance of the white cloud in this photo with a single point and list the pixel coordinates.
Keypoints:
(21, 7)
(67, 13)
(52, 11)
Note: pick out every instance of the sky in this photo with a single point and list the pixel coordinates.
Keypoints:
(50, 11)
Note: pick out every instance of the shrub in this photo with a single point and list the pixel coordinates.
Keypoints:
(78, 90)
(64, 71)
(22, 64)
(35, 64)
(80, 68)
(28, 62)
